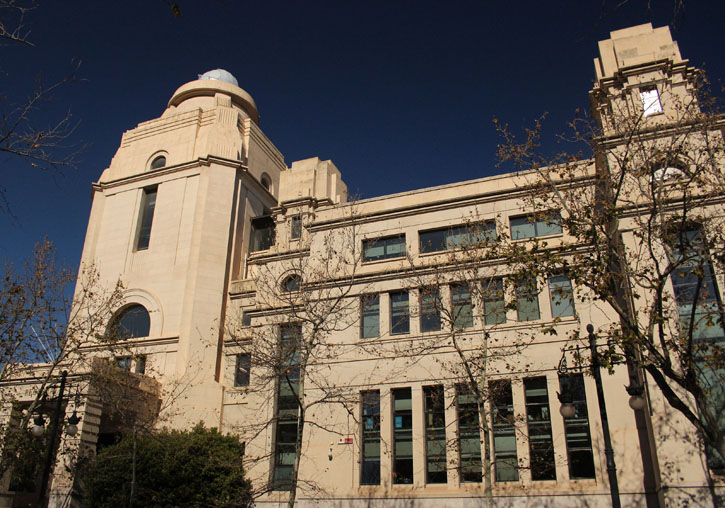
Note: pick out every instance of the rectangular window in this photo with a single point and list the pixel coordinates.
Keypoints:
(295, 227)
(456, 237)
(527, 301)
(384, 248)
(530, 226)
(370, 470)
(146, 219)
(287, 407)
(124, 363)
(506, 463)
(263, 233)
(402, 436)
(650, 101)
(538, 419)
(399, 313)
(243, 365)
(562, 297)
(578, 438)
(435, 435)
(430, 313)
(461, 306)
(140, 367)
(370, 323)
(469, 435)
(494, 303)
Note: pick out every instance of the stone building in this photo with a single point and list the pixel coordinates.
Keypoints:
(269, 301)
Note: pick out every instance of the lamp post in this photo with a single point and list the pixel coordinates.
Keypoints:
(39, 428)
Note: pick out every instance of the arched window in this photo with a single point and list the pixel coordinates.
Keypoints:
(292, 283)
(158, 162)
(133, 321)
(266, 181)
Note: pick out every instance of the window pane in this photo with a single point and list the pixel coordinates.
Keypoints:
(562, 297)
(432, 241)
(650, 101)
(370, 326)
(494, 305)
(241, 371)
(296, 227)
(578, 439)
(384, 248)
(504, 432)
(399, 313)
(538, 418)
(435, 434)
(131, 322)
(469, 435)
(148, 204)
(522, 227)
(430, 316)
(550, 225)
(402, 436)
(370, 470)
(462, 308)
(527, 302)
(287, 407)
(263, 233)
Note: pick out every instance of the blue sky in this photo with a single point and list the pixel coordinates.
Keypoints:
(399, 94)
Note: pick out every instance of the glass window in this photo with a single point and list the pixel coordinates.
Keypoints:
(650, 101)
(287, 407)
(578, 438)
(140, 367)
(158, 162)
(370, 323)
(146, 218)
(527, 301)
(132, 322)
(370, 470)
(384, 248)
(124, 363)
(456, 237)
(494, 304)
(402, 436)
(295, 227)
(430, 314)
(292, 283)
(530, 226)
(506, 463)
(399, 313)
(462, 307)
(562, 297)
(538, 419)
(469, 435)
(241, 369)
(263, 234)
(435, 435)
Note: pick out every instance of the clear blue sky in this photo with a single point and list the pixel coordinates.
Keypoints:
(399, 94)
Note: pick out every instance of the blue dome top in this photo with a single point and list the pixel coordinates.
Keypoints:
(220, 75)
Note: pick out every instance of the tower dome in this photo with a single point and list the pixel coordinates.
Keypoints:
(220, 75)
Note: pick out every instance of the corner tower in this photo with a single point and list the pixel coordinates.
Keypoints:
(170, 219)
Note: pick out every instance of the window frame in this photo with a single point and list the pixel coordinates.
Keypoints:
(524, 294)
(559, 294)
(365, 301)
(461, 319)
(145, 222)
(402, 327)
(244, 379)
(430, 311)
(370, 243)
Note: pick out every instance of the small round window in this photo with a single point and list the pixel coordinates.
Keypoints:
(292, 283)
(158, 162)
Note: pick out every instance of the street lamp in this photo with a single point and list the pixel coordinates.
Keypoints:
(38, 430)
(568, 410)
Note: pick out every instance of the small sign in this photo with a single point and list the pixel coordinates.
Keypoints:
(344, 440)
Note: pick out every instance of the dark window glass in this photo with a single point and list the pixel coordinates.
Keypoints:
(265, 181)
(530, 226)
(456, 237)
(158, 162)
(263, 235)
(287, 407)
(370, 471)
(148, 204)
(399, 313)
(538, 419)
(435, 435)
(494, 304)
(140, 365)
(527, 301)
(124, 363)
(506, 462)
(384, 248)
(370, 323)
(295, 227)
(242, 367)
(131, 322)
(578, 438)
(402, 436)
(430, 314)
(462, 307)
(562, 297)
(292, 283)
(469, 435)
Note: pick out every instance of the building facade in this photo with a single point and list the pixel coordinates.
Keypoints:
(378, 352)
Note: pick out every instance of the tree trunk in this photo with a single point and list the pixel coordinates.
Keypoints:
(133, 471)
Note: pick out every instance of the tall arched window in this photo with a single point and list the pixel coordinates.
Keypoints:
(133, 321)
